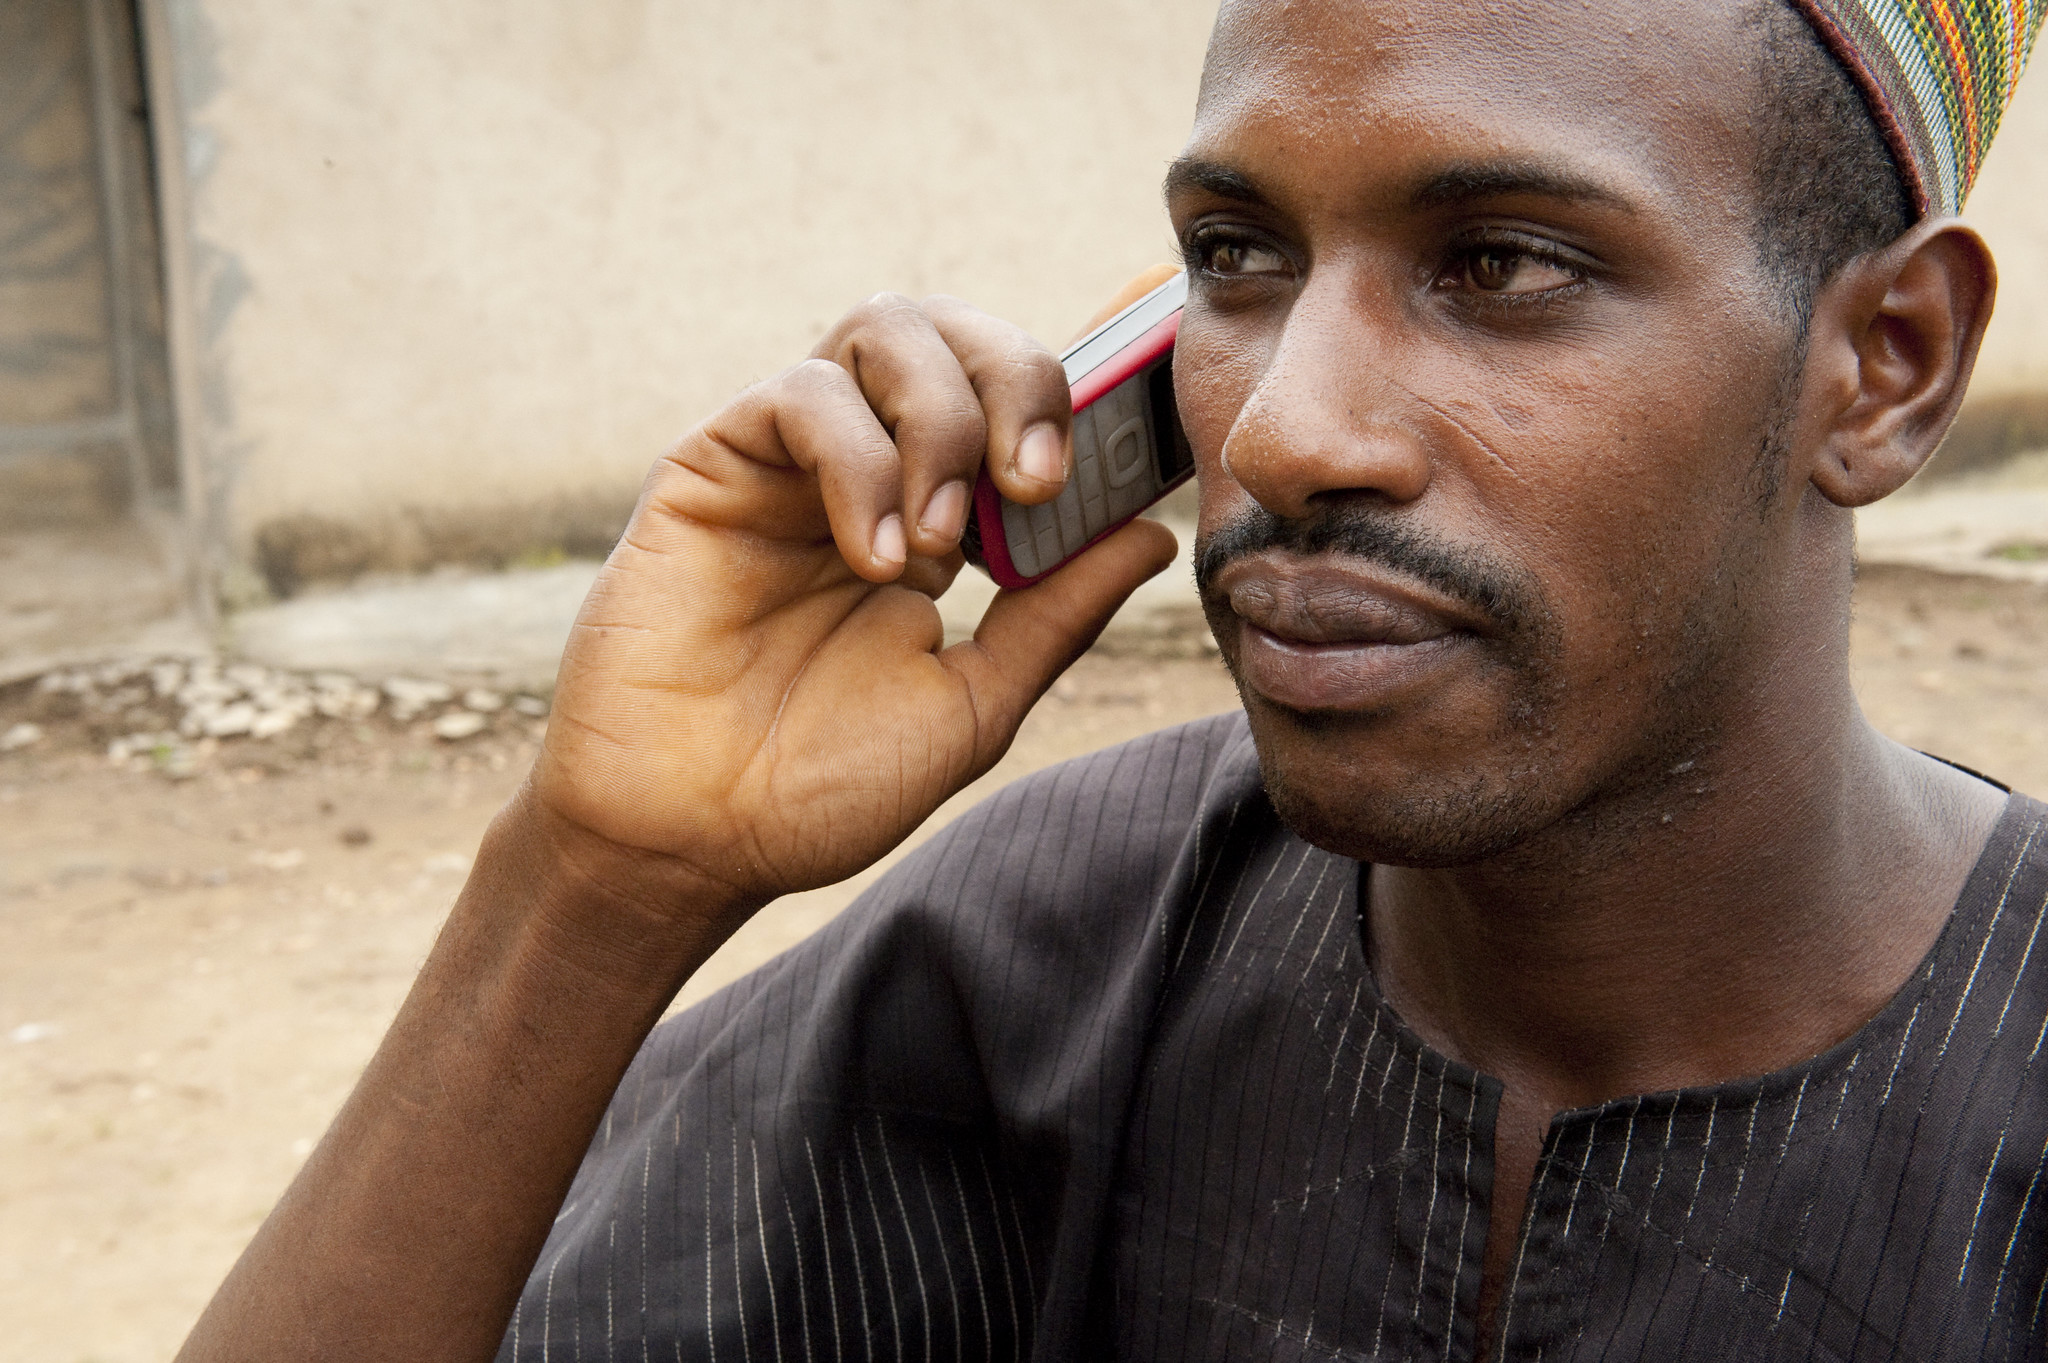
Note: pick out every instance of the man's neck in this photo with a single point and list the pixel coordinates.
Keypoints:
(1747, 914)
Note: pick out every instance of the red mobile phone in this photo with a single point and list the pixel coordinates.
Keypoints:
(1129, 449)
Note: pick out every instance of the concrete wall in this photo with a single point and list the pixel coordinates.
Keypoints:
(2007, 409)
(454, 273)
(464, 269)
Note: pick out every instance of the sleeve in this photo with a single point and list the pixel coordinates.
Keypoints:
(896, 1140)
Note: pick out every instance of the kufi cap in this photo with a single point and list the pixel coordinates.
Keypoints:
(1938, 74)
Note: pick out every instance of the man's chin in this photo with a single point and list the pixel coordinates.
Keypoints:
(1426, 832)
(1424, 815)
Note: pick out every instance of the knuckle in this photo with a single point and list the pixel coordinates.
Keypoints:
(885, 308)
(877, 312)
(667, 465)
(1038, 369)
(958, 424)
(811, 377)
(1037, 362)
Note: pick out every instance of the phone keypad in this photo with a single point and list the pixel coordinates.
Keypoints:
(1115, 477)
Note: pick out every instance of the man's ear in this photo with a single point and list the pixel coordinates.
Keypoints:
(1892, 341)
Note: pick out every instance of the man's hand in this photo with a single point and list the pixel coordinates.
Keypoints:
(756, 686)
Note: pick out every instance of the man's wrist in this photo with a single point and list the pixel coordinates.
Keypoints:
(627, 918)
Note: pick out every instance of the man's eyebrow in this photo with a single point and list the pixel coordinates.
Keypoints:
(1211, 177)
(1499, 179)
(1453, 185)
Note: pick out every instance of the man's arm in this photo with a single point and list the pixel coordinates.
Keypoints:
(749, 705)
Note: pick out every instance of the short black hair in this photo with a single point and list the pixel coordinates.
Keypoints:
(1828, 189)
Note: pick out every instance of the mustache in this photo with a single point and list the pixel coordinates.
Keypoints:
(1503, 594)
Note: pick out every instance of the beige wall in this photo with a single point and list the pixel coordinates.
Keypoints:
(458, 271)
(471, 265)
(2010, 207)
(2008, 405)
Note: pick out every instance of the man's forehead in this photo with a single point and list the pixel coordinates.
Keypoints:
(1654, 45)
(1589, 95)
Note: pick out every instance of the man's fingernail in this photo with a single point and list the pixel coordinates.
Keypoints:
(945, 515)
(889, 539)
(1041, 456)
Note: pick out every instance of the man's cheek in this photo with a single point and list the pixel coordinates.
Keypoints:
(1214, 376)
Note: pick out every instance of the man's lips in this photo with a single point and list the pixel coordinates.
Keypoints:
(1329, 599)
(1325, 632)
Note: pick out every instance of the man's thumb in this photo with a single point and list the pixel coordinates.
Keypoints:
(1028, 637)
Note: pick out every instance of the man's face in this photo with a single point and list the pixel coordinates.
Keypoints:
(1482, 370)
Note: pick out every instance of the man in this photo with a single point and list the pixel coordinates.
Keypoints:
(1550, 963)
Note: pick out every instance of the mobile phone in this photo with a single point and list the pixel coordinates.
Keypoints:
(1129, 449)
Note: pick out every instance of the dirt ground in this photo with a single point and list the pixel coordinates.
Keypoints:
(192, 971)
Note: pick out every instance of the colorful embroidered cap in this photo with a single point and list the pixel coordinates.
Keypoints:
(1938, 74)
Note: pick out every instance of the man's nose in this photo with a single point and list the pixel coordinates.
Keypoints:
(1328, 415)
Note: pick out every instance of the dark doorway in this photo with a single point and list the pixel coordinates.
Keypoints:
(91, 531)
(85, 415)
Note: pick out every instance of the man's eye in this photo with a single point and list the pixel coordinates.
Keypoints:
(1505, 270)
(1234, 256)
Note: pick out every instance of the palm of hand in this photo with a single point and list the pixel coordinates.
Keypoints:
(782, 740)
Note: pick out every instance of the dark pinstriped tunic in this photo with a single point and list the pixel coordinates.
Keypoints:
(1101, 1072)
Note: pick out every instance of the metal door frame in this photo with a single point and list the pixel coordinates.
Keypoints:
(196, 540)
